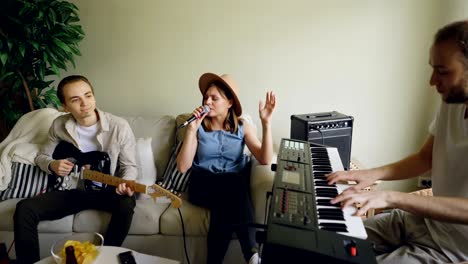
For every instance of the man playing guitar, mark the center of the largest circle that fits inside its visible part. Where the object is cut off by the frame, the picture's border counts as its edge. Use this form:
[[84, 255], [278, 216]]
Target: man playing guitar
[[88, 129]]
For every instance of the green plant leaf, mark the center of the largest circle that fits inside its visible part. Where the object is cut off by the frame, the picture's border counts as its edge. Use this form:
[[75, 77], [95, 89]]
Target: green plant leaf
[[5, 76], [49, 71], [22, 49], [52, 16], [55, 69], [41, 71], [41, 103], [48, 83], [4, 58], [73, 62], [35, 45], [73, 19], [75, 50], [78, 30], [62, 45]]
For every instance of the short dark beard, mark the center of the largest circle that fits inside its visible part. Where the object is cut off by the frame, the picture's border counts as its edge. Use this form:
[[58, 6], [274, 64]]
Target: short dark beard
[[458, 93]]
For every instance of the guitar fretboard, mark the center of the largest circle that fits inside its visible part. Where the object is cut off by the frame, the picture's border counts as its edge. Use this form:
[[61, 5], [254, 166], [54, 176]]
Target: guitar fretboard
[[113, 180]]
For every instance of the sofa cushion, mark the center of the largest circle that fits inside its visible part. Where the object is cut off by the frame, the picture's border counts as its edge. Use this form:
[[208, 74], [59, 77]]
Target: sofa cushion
[[145, 219], [196, 220], [26, 181], [161, 130], [180, 119], [7, 210]]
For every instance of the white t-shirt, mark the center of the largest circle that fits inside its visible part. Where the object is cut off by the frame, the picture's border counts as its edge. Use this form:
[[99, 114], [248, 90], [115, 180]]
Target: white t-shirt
[[87, 137], [450, 175]]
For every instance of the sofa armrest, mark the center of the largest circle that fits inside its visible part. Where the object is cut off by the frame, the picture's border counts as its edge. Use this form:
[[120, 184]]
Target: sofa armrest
[[261, 182]]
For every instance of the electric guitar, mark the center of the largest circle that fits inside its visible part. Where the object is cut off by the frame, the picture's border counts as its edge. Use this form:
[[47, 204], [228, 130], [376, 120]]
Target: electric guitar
[[99, 167]]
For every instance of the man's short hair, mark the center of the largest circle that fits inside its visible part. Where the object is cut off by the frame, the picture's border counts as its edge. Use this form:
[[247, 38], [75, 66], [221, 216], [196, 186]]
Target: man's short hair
[[458, 32], [70, 79]]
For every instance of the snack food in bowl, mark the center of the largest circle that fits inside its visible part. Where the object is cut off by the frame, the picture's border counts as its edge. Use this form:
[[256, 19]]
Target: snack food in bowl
[[86, 247]]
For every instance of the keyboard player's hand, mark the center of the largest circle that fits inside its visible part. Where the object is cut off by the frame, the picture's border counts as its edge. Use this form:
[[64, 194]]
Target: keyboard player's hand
[[363, 178], [367, 200]]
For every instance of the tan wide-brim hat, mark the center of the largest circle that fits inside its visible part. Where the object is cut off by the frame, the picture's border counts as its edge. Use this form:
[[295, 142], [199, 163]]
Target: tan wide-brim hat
[[207, 79]]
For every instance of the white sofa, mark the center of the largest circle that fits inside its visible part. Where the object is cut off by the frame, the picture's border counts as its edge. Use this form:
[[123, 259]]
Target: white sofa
[[156, 228]]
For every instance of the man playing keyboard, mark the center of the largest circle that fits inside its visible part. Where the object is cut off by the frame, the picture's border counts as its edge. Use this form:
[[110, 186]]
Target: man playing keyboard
[[425, 229]]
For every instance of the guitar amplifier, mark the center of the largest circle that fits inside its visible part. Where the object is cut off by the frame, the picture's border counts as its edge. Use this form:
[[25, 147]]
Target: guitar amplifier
[[332, 129]]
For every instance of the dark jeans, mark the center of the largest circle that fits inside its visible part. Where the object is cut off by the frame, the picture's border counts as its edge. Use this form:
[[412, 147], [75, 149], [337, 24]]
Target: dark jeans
[[58, 204], [227, 196]]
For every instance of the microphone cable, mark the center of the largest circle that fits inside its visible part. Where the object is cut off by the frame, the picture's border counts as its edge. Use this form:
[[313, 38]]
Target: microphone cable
[[170, 184], [183, 235], [262, 239], [174, 147]]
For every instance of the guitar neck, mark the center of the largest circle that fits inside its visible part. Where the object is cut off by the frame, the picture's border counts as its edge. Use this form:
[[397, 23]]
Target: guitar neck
[[112, 180], [153, 190]]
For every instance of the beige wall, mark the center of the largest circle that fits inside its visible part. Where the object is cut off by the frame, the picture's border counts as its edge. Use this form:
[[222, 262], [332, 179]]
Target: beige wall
[[364, 58]]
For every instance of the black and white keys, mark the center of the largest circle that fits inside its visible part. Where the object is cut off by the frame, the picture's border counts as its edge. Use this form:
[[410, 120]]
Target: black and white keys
[[332, 217]]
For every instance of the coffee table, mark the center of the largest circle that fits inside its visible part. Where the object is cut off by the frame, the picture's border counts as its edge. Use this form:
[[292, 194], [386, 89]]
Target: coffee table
[[109, 254]]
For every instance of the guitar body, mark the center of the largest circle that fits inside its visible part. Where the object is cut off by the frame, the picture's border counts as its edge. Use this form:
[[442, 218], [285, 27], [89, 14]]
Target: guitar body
[[97, 160]]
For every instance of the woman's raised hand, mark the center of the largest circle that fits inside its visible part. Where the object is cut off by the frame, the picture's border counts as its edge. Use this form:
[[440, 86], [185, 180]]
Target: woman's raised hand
[[266, 110]]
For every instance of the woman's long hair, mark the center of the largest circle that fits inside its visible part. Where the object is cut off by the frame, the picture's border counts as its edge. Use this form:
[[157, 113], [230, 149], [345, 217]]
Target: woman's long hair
[[232, 121]]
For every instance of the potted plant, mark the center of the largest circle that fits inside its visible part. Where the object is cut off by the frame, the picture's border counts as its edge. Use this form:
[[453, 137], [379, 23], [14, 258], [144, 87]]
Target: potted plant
[[38, 38]]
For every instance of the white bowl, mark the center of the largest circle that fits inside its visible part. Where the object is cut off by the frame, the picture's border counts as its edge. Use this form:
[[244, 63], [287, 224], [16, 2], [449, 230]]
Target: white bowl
[[56, 249]]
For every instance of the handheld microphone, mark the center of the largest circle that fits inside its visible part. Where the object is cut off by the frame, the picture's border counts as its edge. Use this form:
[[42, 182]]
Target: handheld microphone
[[192, 118]]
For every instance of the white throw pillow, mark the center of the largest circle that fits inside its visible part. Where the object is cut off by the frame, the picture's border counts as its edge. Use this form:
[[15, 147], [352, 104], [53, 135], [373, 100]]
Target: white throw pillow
[[145, 161]]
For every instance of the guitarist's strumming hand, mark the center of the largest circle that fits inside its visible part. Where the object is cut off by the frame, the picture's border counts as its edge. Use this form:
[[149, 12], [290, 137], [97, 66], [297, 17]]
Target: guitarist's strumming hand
[[123, 189], [61, 167]]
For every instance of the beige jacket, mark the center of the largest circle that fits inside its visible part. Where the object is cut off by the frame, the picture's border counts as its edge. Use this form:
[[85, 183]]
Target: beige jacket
[[115, 138]]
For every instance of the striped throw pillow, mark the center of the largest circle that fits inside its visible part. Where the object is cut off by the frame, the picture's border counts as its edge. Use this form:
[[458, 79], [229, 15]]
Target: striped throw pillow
[[173, 179], [26, 181]]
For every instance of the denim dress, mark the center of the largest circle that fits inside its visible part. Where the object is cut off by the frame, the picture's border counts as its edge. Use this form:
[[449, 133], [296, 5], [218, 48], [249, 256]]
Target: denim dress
[[220, 151]]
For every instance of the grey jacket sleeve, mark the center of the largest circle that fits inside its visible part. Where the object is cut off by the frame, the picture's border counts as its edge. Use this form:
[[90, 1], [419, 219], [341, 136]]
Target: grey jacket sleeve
[[44, 156]]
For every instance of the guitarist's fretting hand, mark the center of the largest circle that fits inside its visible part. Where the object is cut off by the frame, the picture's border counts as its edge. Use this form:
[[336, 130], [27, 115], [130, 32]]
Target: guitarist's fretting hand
[[123, 189], [61, 167]]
